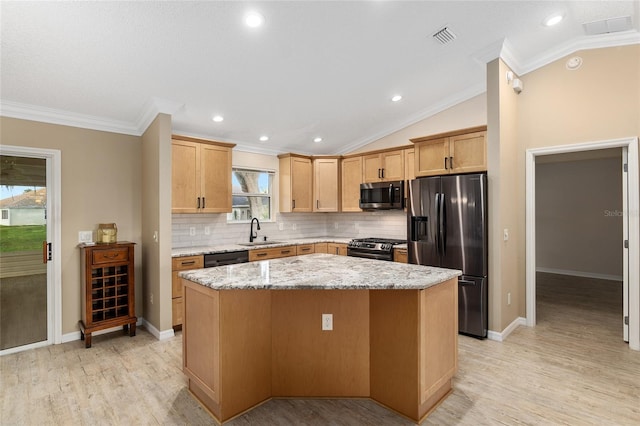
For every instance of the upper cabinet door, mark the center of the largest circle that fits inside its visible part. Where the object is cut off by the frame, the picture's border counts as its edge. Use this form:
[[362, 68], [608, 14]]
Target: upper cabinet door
[[185, 176], [468, 153], [215, 178], [392, 165], [371, 168], [351, 180], [432, 157], [325, 184], [301, 184], [296, 183]]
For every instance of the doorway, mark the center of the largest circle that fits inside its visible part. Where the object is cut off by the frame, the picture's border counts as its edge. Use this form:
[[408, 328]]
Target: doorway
[[30, 313], [579, 255], [631, 268]]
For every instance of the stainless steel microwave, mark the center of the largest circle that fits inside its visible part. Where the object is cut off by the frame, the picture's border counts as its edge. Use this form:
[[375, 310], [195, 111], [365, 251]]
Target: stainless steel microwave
[[382, 195]]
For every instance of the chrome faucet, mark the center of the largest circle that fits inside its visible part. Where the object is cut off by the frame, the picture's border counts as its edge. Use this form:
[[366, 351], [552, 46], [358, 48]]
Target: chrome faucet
[[251, 234]]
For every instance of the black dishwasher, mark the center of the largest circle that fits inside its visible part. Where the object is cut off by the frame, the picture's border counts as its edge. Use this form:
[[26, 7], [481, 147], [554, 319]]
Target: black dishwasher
[[226, 258]]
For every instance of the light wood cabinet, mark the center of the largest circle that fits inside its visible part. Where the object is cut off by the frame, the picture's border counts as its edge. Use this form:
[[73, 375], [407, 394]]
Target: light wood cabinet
[[383, 167], [326, 188], [400, 255], [108, 289], [181, 264], [351, 179], [296, 183], [409, 172], [337, 248], [305, 249], [272, 253], [462, 151], [200, 176], [320, 248]]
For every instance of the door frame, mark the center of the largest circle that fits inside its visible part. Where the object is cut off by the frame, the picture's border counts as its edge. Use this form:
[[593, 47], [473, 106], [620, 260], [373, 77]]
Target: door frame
[[633, 206], [53, 159]]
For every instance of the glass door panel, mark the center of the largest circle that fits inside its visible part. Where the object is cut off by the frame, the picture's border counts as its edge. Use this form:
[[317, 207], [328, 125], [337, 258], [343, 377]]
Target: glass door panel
[[23, 271]]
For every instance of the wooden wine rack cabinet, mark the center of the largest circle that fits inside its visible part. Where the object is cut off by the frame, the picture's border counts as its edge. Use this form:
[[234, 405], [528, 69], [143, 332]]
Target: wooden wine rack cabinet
[[108, 289]]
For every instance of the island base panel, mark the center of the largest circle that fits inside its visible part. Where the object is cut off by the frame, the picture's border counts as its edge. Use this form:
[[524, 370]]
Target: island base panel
[[311, 362]]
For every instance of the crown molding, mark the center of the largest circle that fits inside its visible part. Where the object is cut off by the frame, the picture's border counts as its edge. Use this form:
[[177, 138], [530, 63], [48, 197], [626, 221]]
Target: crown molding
[[582, 43], [65, 118], [444, 104], [152, 108]]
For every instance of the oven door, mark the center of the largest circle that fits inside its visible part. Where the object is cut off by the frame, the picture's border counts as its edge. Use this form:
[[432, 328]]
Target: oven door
[[378, 255]]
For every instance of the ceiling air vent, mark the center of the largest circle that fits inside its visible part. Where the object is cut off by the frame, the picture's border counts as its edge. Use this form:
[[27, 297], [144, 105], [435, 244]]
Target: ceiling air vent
[[444, 36], [605, 26]]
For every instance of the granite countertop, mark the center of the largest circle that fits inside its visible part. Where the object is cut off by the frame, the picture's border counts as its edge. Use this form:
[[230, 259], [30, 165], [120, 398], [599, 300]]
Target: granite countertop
[[223, 248], [320, 271]]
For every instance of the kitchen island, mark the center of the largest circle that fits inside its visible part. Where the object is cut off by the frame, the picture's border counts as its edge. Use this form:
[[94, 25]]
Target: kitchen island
[[254, 331]]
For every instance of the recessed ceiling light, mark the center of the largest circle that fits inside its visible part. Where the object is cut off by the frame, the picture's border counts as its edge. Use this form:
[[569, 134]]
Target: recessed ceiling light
[[553, 19], [396, 98], [316, 140], [218, 118], [264, 138], [254, 20]]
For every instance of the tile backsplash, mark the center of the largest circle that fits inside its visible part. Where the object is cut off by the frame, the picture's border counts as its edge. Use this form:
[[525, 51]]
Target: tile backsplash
[[192, 230]]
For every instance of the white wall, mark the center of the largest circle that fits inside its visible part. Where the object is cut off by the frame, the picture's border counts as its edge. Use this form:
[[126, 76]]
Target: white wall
[[579, 217]]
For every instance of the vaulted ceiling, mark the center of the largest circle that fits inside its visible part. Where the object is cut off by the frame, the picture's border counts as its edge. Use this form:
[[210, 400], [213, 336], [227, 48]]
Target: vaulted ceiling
[[312, 70]]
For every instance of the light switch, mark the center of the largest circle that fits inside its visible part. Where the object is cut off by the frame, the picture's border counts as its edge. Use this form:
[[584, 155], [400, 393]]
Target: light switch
[[505, 234]]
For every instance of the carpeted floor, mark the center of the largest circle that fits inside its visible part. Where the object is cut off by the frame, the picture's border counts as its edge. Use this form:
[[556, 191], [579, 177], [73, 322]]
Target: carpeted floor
[[23, 310]]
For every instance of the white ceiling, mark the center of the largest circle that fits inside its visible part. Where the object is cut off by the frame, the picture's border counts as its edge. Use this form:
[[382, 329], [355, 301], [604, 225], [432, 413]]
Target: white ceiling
[[323, 69]]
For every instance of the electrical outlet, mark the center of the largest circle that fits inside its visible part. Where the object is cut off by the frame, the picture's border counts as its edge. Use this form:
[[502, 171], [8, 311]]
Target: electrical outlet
[[280, 226], [509, 298], [151, 298], [85, 236], [207, 230], [327, 322], [335, 225], [155, 236], [294, 226], [192, 231]]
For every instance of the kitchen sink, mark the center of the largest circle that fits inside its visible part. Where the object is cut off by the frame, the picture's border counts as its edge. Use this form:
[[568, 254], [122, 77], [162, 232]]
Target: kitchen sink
[[259, 243]]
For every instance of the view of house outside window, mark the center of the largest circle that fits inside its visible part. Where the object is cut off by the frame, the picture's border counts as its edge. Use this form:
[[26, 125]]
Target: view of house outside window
[[252, 192]]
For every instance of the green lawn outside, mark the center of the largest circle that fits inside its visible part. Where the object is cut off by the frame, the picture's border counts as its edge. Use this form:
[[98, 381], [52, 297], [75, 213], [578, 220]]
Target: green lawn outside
[[22, 238]]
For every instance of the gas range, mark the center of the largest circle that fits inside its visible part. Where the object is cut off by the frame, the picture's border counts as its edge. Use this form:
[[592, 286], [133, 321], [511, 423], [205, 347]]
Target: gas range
[[373, 248]]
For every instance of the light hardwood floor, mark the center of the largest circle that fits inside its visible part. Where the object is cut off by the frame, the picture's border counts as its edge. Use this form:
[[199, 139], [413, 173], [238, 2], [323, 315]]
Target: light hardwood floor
[[573, 368]]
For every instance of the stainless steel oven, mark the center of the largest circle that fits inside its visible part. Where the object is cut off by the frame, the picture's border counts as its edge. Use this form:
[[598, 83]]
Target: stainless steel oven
[[373, 248]]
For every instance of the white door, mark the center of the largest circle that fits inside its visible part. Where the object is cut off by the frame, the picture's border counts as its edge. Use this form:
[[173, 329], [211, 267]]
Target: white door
[[29, 279], [625, 246]]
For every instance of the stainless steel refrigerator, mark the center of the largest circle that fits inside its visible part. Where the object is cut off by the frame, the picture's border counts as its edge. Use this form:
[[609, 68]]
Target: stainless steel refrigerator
[[447, 227]]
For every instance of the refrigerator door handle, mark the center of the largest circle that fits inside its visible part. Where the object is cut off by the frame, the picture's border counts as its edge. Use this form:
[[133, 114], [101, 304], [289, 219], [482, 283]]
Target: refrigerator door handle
[[438, 224], [466, 282], [441, 227]]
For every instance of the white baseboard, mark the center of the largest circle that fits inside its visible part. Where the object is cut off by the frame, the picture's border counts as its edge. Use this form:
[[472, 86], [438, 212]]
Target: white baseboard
[[75, 335], [500, 336], [580, 274], [160, 335]]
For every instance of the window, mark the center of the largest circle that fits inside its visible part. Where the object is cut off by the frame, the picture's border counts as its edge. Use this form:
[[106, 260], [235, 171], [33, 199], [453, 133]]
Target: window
[[252, 192], [5, 214]]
